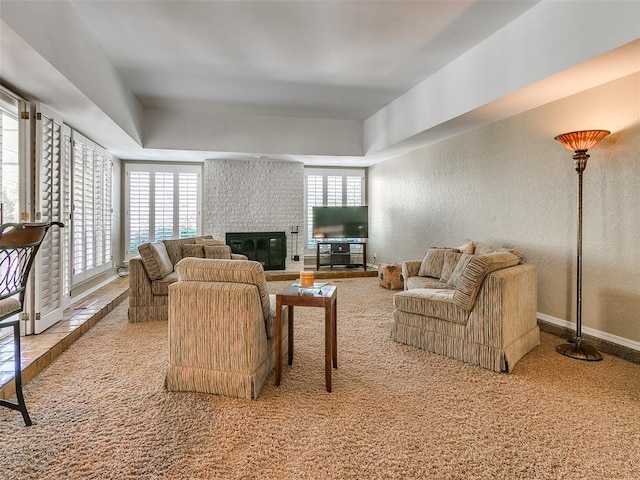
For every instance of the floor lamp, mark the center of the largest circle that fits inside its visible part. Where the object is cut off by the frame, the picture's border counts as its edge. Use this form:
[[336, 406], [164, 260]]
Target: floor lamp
[[579, 143]]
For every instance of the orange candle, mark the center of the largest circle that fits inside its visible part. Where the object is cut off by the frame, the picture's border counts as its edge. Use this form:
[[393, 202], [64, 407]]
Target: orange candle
[[306, 279]]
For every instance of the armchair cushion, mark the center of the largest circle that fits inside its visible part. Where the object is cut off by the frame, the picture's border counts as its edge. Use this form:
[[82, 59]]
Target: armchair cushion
[[9, 305]]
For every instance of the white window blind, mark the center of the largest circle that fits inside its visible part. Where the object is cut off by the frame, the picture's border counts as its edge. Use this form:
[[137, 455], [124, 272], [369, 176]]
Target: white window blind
[[50, 299], [331, 187], [9, 185], [161, 202], [91, 220], [188, 183], [139, 201], [315, 198]]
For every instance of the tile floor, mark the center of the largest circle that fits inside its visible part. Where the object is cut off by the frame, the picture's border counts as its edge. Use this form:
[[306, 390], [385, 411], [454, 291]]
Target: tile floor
[[38, 351]]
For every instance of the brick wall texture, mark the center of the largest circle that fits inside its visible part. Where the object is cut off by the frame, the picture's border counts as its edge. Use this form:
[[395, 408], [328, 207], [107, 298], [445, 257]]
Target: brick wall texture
[[254, 195]]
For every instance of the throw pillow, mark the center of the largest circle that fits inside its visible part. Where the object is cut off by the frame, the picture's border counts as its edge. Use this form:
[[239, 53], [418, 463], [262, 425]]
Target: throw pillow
[[464, 260], [478, 267], [163, 258], [502, 259], [467, 247], [451, 259], [217, 251], [483, 248], [193, 250], [155, 260], [208, 241], [432, 262]]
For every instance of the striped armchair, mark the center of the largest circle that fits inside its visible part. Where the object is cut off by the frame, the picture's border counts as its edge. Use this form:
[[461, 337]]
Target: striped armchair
[[221, 328]]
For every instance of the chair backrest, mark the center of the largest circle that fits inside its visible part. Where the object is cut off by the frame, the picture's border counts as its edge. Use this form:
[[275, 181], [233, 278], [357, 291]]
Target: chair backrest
[[19, 244], [233, 271]]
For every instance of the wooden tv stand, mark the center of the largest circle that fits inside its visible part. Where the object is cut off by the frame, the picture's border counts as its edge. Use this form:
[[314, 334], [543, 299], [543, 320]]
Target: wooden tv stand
[[340, 253]]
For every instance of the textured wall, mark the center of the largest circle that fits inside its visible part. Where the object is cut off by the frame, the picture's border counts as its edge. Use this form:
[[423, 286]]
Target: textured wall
[[254, 196], [511, 184]]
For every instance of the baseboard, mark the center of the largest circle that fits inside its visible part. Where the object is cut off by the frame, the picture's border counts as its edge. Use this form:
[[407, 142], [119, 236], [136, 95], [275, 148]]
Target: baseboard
[[603, 341]]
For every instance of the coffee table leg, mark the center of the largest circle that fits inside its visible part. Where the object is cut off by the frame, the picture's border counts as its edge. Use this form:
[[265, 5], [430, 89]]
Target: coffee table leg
[[328, 345], [278, 360], [290, 334], [334, 312]]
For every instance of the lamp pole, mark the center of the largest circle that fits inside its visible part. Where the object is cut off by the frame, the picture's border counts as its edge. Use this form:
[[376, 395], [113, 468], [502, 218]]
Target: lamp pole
[[580, 142]]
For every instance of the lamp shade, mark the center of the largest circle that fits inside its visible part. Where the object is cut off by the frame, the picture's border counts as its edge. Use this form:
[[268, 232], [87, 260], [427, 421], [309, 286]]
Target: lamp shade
[[583, 140]]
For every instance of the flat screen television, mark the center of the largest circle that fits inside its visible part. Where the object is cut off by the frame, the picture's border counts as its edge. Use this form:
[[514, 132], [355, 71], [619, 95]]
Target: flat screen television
[[340, 222]]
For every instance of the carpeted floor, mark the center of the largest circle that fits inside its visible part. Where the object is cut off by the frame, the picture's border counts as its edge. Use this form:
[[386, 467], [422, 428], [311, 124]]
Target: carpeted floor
[[100, 411]]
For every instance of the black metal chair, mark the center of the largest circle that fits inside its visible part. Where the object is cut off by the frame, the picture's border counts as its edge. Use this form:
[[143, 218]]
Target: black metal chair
[[19, 244]]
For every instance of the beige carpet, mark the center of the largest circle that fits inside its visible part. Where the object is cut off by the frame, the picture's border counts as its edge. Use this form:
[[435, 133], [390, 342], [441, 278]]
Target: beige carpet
[[100, 411]]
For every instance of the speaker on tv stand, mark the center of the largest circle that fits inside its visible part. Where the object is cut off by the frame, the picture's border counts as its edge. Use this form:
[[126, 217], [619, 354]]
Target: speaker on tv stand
[[340, 254]]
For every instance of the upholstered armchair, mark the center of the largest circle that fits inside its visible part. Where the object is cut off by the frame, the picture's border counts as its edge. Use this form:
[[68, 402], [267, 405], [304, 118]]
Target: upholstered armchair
[[221, 328]]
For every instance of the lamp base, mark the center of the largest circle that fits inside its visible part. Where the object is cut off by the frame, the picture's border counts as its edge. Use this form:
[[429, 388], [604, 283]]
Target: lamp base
[[578, 350]]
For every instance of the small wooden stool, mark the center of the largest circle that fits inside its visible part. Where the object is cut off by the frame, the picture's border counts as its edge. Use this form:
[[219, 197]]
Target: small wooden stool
[[390, 276]]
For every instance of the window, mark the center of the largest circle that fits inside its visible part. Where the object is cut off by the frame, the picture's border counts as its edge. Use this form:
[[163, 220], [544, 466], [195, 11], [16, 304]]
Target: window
[[331, 187], [162, 201], [92, 212], [9, 168]]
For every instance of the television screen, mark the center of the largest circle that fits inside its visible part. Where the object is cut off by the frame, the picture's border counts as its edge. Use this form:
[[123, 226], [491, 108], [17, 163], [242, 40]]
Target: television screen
[[340, 222]]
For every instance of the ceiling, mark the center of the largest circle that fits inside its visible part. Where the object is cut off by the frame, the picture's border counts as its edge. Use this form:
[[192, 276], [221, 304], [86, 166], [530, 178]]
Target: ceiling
[[321, 59], [237, 66]]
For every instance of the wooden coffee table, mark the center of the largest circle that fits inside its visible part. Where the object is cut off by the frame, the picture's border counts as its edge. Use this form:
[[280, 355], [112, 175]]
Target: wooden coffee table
[[295, 296]]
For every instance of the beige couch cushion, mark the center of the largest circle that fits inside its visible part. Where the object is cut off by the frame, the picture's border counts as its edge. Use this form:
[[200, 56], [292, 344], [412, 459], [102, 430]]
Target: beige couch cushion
[[233, 271], [193, 250], [475, 270], [208, 241], [431, 302], [463, 261], [425, 282], [433, 261], [467, 247], [222, 252], [161, 287], [451, 259], [155, 259]]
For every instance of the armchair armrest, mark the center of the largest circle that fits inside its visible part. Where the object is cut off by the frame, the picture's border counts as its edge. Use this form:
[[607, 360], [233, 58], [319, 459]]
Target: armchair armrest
[[139, 284], [410, 269]]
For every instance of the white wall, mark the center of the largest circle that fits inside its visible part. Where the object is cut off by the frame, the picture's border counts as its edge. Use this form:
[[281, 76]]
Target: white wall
[[510, 183], [256, 195]]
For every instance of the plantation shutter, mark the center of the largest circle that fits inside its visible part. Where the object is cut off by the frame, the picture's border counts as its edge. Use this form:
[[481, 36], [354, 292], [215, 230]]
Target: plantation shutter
[[161, 202], [78, 265], [49, 283], [91, 219], [331, 187], [139, 216], [315, 198], [188, 204], [354, 187], [334, 191]]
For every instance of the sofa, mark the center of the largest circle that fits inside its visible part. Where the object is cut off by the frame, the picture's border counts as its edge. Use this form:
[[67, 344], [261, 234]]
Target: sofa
[[221, 328], [476, 303], [151, 273]]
